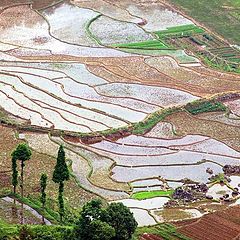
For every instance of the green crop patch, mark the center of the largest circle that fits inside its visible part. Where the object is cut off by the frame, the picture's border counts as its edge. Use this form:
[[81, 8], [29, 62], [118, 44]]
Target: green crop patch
[[150, 45], [180, 31], [151, 194], [205, 106]]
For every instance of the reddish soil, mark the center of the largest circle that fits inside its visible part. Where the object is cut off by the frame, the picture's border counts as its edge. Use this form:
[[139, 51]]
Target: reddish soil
[[43, 3], [150, 237], [185, 222], [224, 225], [19, 15], [98, 138], [36, 4], [5, 179], [9, 3]]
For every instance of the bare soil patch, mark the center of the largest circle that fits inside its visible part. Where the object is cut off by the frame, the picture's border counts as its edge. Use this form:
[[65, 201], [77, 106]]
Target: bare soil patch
[[222, 225]]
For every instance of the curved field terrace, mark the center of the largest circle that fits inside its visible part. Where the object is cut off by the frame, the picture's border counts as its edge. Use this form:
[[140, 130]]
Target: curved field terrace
[[144, 119]]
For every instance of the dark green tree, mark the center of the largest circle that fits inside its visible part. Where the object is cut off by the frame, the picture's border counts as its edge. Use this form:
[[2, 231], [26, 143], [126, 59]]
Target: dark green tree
[[14, 174], [121, 219], [100, 230], [61, 174], [14, 183], [21, 153], [91, 211], [94, 221], [43, 185]]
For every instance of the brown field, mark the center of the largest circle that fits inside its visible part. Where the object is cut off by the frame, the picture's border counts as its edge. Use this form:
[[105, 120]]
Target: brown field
[[222, 225], [159, 72], [19, 13], [8, 3], [12, 214], [215, 73], [172, 214], [36, 4]]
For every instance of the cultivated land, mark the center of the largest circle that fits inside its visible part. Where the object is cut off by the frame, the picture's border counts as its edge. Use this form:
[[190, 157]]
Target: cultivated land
[[220, 16], [145, 101]]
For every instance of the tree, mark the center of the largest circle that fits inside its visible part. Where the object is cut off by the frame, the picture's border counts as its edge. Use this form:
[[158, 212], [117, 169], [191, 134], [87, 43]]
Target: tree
[[100, 231], [95, 222], [91, 211], [61, 174], [90, 225], [14, 183], [121, 219], [14, 174], [21, 153], [43, 185]]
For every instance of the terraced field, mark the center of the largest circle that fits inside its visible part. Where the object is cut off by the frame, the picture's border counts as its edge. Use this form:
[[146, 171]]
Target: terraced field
[[141, 118]]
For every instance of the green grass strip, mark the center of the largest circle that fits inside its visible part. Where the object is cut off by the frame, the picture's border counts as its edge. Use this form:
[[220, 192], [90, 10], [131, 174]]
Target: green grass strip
[[165, 230], [169, 232], [151, 44], [88, 31], [153, 119], [48, 213], [11, 231], [151, 194], [180, 31]]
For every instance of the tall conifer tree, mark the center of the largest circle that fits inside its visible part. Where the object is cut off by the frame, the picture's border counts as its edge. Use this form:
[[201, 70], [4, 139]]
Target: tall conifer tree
[[61, 174], [43, 185]]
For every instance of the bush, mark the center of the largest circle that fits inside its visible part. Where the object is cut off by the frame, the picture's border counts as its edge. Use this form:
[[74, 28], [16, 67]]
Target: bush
[[52, 233]]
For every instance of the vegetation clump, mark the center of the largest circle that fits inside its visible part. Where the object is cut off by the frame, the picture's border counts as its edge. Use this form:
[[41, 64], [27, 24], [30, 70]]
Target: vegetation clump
[[231, 169], [197, 107], [190, 192]]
